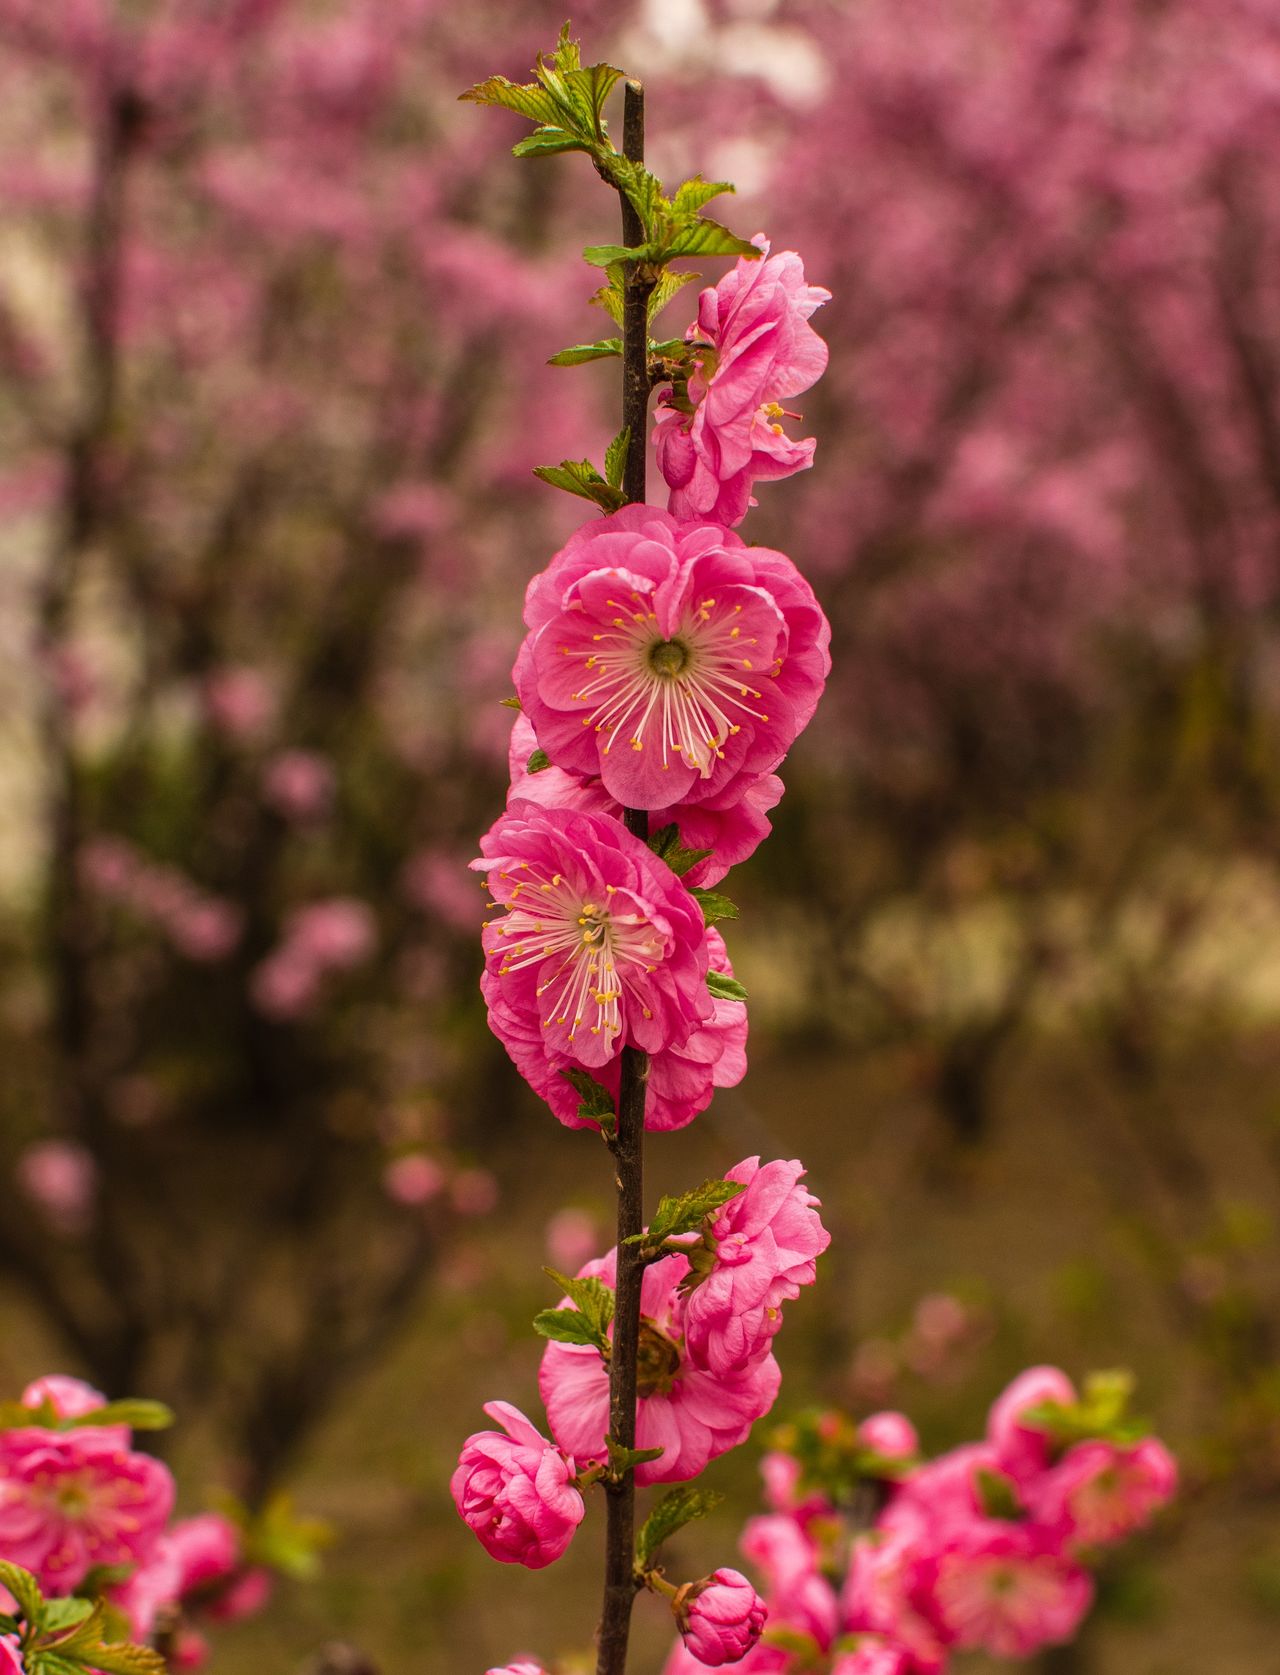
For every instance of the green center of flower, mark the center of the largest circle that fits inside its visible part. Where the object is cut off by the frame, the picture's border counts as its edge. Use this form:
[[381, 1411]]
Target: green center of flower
[[669, 658]]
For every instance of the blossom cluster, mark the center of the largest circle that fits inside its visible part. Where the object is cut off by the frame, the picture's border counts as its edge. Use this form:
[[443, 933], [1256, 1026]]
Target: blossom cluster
[[79, 1500], [987, 1547]]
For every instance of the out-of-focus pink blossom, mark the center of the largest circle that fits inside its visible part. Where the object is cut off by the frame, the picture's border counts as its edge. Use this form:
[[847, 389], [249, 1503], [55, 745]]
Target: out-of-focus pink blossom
[[206, 1549], [691, 1414], [440, 884], [285, 984], [299, 785], [413, 1179], [767, 1241], [61, 1177], [239, 702], [891, 1435], [205, 929], [153, 1588], [70, 1398], [572, 1235], [516, 1491], [721, 1618], [473, 1192], [71, 1500], [873, 1655], [1101, 1491], [336, 934], [1022, 1448], [1005, 1588], [763, 351], [669, 659], [520, 1666], [244, 1596]]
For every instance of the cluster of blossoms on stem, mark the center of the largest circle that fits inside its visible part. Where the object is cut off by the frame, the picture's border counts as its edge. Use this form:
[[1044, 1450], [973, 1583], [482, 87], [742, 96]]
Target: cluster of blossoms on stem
[[987, 1547], [79, 1501]]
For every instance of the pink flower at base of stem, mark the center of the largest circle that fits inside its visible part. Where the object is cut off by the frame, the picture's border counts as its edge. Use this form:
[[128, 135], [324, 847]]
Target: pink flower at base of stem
[[73, 1500], [721, 1618], [763, 352], [682, 1079], [689, 1413], [767, 1241], [1005, 1588], [516, 1492], [732, 832], [670, 660], [600, 946], [1023, 1450], [1101, 1491]]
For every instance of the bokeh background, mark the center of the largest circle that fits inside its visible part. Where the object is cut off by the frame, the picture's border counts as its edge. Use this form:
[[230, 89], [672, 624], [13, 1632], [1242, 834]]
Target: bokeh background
[[274, 313]]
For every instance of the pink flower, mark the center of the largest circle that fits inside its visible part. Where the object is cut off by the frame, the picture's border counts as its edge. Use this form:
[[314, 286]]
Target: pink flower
[[299, 785], [70, 1398], [10, 1656], [762, 1659], [943, 1494], [572, 1235], [61, 1177], [336, 934], [153, 1588], [879, 1596], [682, 1079], [71, 1500], [413, 1179], [521, 1666], [206, 1549], [873, 1656], [721, 1618], [285, 985], [600, 947], [669, 659], [244, 1596], [763, 352], [692, 1415], [1023, 1449], [766, 1243], [891, 1435], [1100, 1491], [239, 702], [732, 828], [1006, 1588], [204, 929], [517, 1492], [799, 1596]]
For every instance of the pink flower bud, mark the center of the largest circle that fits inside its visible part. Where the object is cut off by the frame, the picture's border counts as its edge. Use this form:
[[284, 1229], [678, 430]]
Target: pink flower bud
[[721, 1618], [891, 1435], [244, 1597], [207, 1550], [70, 1398], [521, 1666], [517, 1492], [1023, 1449]]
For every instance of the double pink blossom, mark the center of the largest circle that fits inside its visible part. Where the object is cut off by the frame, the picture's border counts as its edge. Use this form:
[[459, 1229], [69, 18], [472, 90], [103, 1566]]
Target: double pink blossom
[[516, 1491], [670, 660], [721, 1618], [760, 351], [693, 1415], [1022, 1447], [599, 947], [73, 1500], [1101, 1491], [1005, 1587], [766, 1243]]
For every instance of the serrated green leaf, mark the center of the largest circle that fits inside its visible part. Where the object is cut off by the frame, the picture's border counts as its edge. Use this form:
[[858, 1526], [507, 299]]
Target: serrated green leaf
[[702, 237], [686, 1212], [677, 1508], [615, 459], [63, 1615], [580, 477], [567, 55], [25, 1590], [592, 1296], [666, 845], [580, 353], [669, 283], [714, 906], [610, 298], [545, 142], [123, 1658], [691, 196], [538, 762], [587, 1321], [598, 81], [566, 1326], [725, 988], [605, 255], [133, 1411], [643, 191], [526, 99], [596, 1102]]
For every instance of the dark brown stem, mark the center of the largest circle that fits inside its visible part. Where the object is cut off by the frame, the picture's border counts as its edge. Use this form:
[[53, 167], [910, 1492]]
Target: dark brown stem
[[620, 1583]]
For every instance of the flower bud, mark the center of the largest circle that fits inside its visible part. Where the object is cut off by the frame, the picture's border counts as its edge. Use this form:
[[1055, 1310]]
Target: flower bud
[[891, 1435], [517, 1491], [721, 1617]]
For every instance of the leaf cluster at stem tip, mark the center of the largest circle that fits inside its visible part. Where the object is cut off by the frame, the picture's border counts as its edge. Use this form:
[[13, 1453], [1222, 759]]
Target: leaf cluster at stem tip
[[68, 1636], [587, 1321]]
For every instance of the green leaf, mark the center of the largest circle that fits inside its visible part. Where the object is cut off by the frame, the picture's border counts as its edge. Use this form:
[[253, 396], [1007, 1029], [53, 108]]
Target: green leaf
[[615, 459], [596, 1102], [566, 1326], [14, 1415], [284, 1541], [25, 1590], [604, 255], [686, 1213], [62, 1615], [581, 353], [610, 297], [996, 1494], [666, 845], [122, 1658], [643, 191], [677, 1508], [625, 1459], [133, 1411], [538, 761], [545, 142], [587, 1321], [527, 100], [690, 197], [714, 907], [597, 82], [580, 477], [725, 988], [705, 237], [668, 285]]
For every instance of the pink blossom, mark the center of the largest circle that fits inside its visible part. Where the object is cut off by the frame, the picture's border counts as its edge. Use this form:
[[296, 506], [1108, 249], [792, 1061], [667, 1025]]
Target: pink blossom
[[239, 702], [700, 659], [762, 1659], [799, 1595], [519, 1666], [10, 1656], [891, 1435], [285, 984], [413, 1179], [206, 1549], [600, 946], [944, 1493], [721, 1618], [732, 827], [766, 1243], [755, 322], [1101, 1491], [71, 1500], [438, 883], [682, 1079], [61, 1177], [879, 1596], [337, 934], [517, 1492], [1023, 1449], [70, 1398], [244, 1596], [571, 1235], [873, 1656], [190, 1650], [205, 929], [692, 1415], [153, 1588], [299, 784], [1005, 1588]]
